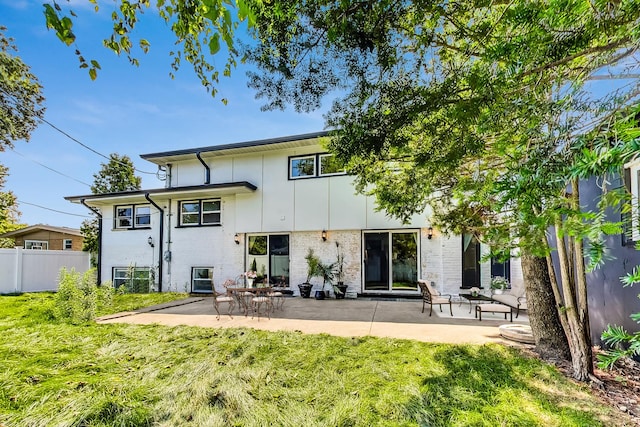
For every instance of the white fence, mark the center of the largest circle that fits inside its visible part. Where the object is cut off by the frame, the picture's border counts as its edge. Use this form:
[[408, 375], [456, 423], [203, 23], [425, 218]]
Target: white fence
[[24, 270]]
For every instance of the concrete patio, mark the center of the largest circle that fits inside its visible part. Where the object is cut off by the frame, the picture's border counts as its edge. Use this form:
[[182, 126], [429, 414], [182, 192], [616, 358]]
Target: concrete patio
[[395, 318]]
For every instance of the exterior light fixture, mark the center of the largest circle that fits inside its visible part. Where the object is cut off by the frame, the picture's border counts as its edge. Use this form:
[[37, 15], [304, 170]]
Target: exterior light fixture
[[236, 239], [150, 241], [429, 233], [324, 235]]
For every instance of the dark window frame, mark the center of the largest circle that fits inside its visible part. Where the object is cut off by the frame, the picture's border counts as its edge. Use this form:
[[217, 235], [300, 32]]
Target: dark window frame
[[317, 158], [201, 213], [194, 279], [133, 218], [132, 284]]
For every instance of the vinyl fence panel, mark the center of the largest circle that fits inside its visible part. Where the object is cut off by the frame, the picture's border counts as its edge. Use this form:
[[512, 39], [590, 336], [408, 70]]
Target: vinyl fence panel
[[33, 270]]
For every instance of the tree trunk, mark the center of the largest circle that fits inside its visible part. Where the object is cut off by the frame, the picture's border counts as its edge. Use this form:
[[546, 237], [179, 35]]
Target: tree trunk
[[551, 341]]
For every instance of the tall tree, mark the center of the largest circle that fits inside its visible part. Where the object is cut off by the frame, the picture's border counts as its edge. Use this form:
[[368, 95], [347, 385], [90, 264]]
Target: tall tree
[[9, 213], [21, 100], [21, 106], [474, 108], [116, 175]]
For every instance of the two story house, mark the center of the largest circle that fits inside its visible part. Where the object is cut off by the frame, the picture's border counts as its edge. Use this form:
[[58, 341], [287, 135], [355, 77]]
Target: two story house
[[260, 205]]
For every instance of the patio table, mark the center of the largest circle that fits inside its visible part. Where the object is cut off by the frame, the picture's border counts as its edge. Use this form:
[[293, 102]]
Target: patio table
[[475, 298], [245, 295]]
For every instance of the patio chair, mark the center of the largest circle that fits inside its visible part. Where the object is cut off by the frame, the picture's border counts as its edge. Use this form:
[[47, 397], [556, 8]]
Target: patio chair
[[431, 296], [222, 298]]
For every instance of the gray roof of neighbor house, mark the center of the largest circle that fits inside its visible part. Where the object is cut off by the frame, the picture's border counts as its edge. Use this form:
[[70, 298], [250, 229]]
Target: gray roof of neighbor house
[[36, 227], [279, 143]]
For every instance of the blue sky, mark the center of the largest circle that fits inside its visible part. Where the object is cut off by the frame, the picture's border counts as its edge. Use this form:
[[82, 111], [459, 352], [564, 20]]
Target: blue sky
[[128, 110]]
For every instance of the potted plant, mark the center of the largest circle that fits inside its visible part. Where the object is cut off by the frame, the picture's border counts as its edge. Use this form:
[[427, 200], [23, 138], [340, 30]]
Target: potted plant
[[326, 271], [340, 289], [312, 268], [499, 284]]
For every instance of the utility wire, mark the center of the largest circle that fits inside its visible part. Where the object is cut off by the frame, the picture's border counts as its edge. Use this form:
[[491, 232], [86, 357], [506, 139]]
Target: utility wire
[[52, 170], [89, 148], [52, 210]]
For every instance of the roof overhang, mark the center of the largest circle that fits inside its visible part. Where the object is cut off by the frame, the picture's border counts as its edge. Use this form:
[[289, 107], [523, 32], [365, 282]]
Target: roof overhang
[[138, 196], [286, 142]]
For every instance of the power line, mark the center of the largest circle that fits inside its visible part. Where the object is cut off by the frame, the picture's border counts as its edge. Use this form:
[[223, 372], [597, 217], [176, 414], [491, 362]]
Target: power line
[[89, 148], [52, 210], [52, 170]]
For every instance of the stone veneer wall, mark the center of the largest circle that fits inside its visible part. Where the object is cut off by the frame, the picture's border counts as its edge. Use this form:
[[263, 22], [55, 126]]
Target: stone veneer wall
[[350, 246]]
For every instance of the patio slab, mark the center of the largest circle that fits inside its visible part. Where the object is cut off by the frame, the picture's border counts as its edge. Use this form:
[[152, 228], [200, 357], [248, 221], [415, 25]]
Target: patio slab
[[347, 318]]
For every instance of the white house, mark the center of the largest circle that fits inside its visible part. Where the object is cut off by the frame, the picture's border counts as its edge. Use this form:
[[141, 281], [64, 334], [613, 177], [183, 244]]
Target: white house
[[229, 208]]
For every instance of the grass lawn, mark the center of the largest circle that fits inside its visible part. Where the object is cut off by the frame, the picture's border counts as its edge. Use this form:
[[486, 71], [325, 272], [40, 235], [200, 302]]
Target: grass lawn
[[57, 374]]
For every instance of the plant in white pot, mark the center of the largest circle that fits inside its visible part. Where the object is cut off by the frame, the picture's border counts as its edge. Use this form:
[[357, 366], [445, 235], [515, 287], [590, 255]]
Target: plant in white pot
[[499, 284]]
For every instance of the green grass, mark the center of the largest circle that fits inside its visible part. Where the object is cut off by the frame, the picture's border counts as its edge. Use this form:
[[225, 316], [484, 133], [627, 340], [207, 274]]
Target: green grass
[[56, 374]]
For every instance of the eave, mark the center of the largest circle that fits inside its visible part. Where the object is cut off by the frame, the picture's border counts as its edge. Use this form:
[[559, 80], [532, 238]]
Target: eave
[[138, 196], [286, 142]]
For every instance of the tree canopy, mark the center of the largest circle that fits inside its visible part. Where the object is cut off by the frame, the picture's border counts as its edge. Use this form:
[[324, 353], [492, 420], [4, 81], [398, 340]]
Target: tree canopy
[[21, 99], [486, 111], [202, 29]]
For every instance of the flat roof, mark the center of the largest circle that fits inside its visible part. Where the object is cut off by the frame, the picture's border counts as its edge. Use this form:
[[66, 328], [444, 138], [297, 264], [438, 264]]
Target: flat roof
[[234, 148]]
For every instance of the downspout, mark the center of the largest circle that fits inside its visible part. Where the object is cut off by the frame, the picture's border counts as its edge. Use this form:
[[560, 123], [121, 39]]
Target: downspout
[[207, 170], [99, 260], [160, 260]]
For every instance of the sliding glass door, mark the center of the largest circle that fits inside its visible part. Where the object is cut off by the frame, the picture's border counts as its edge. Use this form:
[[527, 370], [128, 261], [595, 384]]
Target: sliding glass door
[[390, 260]]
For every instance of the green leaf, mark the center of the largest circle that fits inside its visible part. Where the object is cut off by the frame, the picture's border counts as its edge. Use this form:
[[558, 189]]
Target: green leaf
[[214, 44]]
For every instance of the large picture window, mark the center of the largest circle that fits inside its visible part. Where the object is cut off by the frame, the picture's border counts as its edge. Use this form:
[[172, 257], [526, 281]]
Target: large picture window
[[136, 280], [202, 279], [132, 216], [314, 165], [200, 212]]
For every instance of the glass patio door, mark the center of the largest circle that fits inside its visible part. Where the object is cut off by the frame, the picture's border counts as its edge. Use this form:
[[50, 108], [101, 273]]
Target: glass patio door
[[268, 255], [390, 261]]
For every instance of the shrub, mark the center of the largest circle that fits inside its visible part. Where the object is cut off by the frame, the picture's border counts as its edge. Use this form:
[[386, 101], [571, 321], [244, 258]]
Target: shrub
[[78, 298]]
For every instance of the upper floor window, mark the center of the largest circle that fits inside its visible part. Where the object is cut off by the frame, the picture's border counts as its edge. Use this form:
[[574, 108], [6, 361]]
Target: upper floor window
[[314, 165], [200, 212], [133, 216], [36, 244], [67, 244]]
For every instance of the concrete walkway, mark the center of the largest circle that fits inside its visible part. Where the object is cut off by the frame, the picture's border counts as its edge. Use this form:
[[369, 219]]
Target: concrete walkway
[[349, 317]]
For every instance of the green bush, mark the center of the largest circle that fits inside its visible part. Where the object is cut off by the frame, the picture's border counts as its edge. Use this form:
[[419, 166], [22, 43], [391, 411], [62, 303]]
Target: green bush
[[78, 298]]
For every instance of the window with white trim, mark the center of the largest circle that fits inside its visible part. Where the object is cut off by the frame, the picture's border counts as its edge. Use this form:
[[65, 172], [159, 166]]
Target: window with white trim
[[67, 244], [314, 166], [200, 212], [136, 280], [202, 279], [132, 216], [36, 244]]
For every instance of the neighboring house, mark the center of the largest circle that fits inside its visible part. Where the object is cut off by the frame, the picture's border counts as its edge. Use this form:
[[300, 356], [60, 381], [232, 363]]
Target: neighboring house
[[46, 237], [226, 209]]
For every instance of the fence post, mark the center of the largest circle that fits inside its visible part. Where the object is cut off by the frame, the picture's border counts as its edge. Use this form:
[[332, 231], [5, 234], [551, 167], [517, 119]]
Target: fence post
[[17, 286]]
